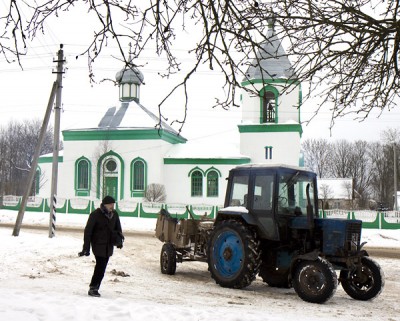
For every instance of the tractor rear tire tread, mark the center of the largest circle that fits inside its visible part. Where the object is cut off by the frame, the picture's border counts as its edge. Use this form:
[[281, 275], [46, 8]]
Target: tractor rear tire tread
[[250, 246]]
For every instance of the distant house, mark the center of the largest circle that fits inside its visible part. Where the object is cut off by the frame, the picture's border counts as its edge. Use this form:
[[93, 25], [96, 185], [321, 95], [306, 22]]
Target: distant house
[[335, 193]]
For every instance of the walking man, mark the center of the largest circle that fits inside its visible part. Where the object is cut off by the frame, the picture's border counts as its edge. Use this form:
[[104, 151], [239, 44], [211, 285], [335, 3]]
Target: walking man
[[102, 224]]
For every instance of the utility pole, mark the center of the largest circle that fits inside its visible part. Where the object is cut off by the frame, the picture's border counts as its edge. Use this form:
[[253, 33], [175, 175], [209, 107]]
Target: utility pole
[[56, 144], [55, 94], [395, 175], [32, 172]]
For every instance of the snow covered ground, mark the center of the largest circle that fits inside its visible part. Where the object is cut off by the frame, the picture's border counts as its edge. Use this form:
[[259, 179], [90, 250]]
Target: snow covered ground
[[42, 278]]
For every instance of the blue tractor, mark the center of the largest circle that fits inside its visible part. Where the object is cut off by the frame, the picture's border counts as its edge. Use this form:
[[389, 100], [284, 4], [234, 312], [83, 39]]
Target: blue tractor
[[269, 227]]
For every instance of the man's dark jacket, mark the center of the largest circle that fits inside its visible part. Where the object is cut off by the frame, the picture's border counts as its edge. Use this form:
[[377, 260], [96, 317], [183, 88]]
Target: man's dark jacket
[[98, 232]]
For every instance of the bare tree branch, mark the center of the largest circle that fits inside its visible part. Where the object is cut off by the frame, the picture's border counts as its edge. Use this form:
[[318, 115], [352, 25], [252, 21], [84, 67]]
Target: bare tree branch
[[346, 51]]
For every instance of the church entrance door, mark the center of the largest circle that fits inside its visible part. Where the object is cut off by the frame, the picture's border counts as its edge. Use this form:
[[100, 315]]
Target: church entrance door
[[111, 187]]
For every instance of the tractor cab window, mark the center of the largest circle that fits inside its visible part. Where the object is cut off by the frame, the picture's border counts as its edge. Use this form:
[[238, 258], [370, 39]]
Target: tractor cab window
[[263, 189], [239, 191], [292, 193]]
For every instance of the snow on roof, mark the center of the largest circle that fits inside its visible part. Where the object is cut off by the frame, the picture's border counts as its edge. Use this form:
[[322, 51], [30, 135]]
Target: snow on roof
[[60, 154], [132, 115], [335, 188], [129, 115], [271, 62]]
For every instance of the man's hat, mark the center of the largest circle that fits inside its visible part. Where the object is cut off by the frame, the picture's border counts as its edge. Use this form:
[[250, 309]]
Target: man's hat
[[108, 200]]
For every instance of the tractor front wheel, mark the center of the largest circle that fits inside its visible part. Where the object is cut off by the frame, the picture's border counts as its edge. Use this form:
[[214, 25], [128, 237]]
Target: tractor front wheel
[[168, 259], [365, 283], [315, 281], [233, 254]]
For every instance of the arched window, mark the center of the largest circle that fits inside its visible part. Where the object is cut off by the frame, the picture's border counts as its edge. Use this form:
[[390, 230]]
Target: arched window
[[82, 177], [212, 183], [83, 174], [197, 183], [138, 177], [269, 108]]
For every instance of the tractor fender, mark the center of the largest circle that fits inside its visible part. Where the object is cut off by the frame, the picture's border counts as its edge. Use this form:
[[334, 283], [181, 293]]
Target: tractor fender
[[361, 246], [310, 256], [237, 212], [363, 253]]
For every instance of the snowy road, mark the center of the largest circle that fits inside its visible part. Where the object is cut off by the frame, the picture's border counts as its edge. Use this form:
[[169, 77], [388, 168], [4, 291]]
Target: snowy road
[[45, 279], [377, 252]]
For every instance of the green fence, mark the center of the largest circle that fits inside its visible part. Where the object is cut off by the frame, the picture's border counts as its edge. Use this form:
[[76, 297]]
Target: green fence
[[370, 219], [130, 208]]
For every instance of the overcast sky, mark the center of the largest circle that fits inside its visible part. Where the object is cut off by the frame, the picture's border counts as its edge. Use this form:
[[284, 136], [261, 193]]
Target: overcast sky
[[25, 93]]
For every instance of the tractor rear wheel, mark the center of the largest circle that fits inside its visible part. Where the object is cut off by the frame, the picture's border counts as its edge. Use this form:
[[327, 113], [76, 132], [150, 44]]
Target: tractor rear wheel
[[233, 254], [315, 281], [168, 259], [365, 285]]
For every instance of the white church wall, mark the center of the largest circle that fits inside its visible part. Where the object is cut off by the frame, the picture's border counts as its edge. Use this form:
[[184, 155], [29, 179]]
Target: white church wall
[[288, 102], [73, 150], [178, 184], [285, 147], [151, 151], [251, 114], [45, 185]]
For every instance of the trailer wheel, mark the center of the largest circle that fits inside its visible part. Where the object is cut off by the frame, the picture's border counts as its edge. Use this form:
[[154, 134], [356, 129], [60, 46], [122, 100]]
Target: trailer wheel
[[233, 254], [168, 259], [315, 281], [366, 285]]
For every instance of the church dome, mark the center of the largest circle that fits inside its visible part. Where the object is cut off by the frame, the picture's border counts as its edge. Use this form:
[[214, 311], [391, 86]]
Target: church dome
[[129, 80], [130, 75]]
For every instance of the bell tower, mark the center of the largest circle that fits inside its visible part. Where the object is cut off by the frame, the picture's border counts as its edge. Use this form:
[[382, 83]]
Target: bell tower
[[270, 130]]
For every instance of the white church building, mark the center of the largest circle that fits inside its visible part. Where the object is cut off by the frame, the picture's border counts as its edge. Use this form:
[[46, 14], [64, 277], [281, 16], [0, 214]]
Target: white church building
[[131, 148]]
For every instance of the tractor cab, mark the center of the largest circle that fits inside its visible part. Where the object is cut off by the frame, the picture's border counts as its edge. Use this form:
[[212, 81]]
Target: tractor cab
[[273, 198]]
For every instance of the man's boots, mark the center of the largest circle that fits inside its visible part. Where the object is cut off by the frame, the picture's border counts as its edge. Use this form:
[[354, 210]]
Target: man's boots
[[94, 291]]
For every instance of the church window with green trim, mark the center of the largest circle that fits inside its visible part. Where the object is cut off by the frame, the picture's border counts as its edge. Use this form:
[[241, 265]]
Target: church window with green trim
[[138, 175], [212, 184], [138, 179], [82, 177], [268, 107], [197, 183]]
